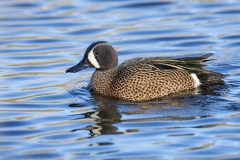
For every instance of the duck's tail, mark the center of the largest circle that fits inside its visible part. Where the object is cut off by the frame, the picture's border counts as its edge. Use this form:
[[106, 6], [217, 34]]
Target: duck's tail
[[206, 77]]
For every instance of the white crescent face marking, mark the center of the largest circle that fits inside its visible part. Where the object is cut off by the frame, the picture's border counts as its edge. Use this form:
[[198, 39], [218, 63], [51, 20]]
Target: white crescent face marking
[[195, 78], [91, 56], [92, 59]]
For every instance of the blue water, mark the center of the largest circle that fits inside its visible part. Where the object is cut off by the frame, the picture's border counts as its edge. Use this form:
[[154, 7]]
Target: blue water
[[47, 114]]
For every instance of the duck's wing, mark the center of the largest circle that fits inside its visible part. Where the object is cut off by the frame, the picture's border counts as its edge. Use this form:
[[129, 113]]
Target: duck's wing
[[191, 64]]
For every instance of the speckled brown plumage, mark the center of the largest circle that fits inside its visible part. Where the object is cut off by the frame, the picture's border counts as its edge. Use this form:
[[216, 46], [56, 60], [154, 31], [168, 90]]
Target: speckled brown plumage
[[142, 79], [139, 80]]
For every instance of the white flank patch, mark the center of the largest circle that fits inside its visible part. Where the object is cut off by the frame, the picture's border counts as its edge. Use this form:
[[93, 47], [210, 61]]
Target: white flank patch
[[92, 59], [197, 81]]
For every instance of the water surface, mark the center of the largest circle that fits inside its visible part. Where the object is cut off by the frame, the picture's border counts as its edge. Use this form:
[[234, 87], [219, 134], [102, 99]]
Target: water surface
[[47, 114]]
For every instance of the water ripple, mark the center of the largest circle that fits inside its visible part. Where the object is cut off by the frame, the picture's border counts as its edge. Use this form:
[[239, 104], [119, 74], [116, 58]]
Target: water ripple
[[48, 114]]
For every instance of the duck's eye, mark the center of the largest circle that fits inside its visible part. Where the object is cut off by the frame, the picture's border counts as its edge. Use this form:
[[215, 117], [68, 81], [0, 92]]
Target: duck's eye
[[96, 53]]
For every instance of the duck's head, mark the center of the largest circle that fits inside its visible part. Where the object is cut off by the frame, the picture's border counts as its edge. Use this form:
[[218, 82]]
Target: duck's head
[[100, 55]]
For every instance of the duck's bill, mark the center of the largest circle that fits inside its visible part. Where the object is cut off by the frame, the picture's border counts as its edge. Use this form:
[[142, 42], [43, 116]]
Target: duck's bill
[[78, 67]]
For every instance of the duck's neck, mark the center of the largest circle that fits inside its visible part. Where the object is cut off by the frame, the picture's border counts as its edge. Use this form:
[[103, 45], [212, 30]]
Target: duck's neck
[[102, 80]]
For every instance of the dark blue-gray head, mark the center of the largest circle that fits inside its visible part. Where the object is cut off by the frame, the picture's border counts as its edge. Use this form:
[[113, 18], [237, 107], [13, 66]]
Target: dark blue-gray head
[[100, 55]]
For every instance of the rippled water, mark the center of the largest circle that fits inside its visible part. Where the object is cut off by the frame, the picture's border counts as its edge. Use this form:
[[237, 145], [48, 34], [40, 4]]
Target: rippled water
[[47, 114]]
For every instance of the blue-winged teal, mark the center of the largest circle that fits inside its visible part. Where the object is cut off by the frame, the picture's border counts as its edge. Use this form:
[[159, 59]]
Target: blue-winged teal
[[141, 79]]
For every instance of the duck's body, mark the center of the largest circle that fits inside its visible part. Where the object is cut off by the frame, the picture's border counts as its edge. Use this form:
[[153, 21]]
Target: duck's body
[[142, 79], [138, 80]]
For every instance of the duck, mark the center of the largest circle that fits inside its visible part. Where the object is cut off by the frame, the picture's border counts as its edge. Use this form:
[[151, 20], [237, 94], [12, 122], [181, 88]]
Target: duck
[[142, 79]]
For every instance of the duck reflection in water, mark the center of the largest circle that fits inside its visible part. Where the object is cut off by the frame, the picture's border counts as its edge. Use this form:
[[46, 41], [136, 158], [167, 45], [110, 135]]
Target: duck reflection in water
[[104, 118]]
